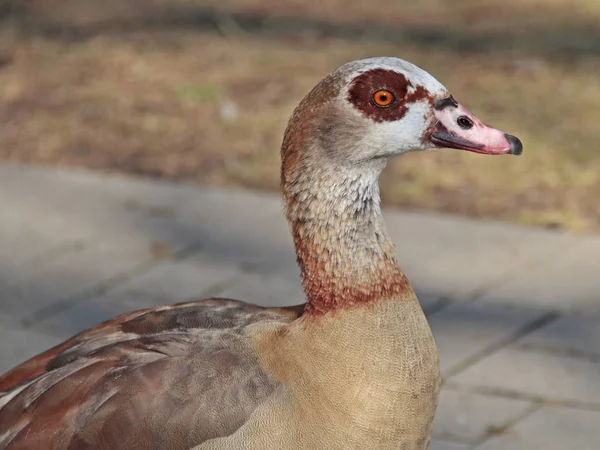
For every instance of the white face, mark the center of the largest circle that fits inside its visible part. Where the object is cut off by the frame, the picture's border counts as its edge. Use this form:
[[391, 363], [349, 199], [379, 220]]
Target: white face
[[403, 108], [402, 126]]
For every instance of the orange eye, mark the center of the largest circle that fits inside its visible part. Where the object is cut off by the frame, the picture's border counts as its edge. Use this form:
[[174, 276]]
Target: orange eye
[[383, 98]]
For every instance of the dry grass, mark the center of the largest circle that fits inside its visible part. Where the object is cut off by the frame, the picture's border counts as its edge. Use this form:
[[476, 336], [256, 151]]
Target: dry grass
[[177, 99]]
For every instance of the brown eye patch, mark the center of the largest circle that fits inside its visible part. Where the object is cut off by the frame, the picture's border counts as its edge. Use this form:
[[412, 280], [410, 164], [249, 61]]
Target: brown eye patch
[[382, 95]]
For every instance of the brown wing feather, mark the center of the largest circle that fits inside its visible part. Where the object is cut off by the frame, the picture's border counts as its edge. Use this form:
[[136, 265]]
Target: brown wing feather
[[169, 377], [38, 365]]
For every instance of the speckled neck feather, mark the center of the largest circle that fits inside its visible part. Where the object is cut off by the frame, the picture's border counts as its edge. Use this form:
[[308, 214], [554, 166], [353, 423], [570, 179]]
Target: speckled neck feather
[[345, 255], [343, 249]]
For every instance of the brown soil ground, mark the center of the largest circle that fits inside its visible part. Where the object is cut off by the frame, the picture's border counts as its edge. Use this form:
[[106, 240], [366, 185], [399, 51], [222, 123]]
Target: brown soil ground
[[202, 91]]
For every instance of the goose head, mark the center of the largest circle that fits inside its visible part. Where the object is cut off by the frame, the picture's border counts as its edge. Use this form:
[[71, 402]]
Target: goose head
[[374, 109], [337, 142]]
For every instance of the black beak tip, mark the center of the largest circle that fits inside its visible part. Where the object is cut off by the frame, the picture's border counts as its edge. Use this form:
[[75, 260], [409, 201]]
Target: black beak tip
[[516, 147]]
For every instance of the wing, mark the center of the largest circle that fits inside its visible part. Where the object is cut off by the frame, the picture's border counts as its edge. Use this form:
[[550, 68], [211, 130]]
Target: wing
[[169, 377]]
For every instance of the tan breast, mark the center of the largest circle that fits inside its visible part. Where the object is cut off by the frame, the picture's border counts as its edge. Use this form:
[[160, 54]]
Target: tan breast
[[363, 378]]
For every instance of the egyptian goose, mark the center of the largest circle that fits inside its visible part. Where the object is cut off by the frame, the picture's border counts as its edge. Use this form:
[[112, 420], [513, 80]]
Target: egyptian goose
[[354, 368]]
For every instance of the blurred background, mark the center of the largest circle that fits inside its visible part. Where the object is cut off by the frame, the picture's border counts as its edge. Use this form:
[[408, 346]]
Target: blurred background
[[201, 90]]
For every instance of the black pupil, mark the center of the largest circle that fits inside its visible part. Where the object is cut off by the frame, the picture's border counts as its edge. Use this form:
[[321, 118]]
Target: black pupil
[[383, 98], [465, 122]]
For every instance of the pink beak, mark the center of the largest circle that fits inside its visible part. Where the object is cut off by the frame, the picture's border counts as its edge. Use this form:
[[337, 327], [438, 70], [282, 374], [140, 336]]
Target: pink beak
[[457, 128]]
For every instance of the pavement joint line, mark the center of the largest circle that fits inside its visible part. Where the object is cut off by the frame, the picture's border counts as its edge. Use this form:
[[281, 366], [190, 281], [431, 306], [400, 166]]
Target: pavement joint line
[[494, 282], [497, 280], [529, 327], [569, 353], [439, 305], [213, 291], [53, 253], [104, 286], [261, 268], [450, 440], [86, 294], [494, 431], [450, 299], [518, 395], [187, 251]]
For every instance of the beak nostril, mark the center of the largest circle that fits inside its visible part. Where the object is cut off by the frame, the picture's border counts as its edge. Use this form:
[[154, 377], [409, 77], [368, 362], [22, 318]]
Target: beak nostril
[[464, 122]]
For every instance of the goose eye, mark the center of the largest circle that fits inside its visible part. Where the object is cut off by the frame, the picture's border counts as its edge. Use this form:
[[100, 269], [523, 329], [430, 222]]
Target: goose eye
[[383, 98]]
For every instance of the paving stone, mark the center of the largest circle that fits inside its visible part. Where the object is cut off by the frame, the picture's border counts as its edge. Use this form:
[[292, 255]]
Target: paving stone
[[216, 205], [265, 246], [417, 236], [568, 281], [177, 281], [550, 428], [126, 210], [541, 374], [468, 418], [428, 302], [69, 274], [445, 445], [457, 258], [265, 289], [48, 204], [79, 190], [462, 331], [22, 247], [18, 345], [568, 334], [27, 235]]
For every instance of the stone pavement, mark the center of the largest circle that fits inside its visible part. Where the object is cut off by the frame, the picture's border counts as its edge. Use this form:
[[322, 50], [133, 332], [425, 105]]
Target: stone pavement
[[515, 311]]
